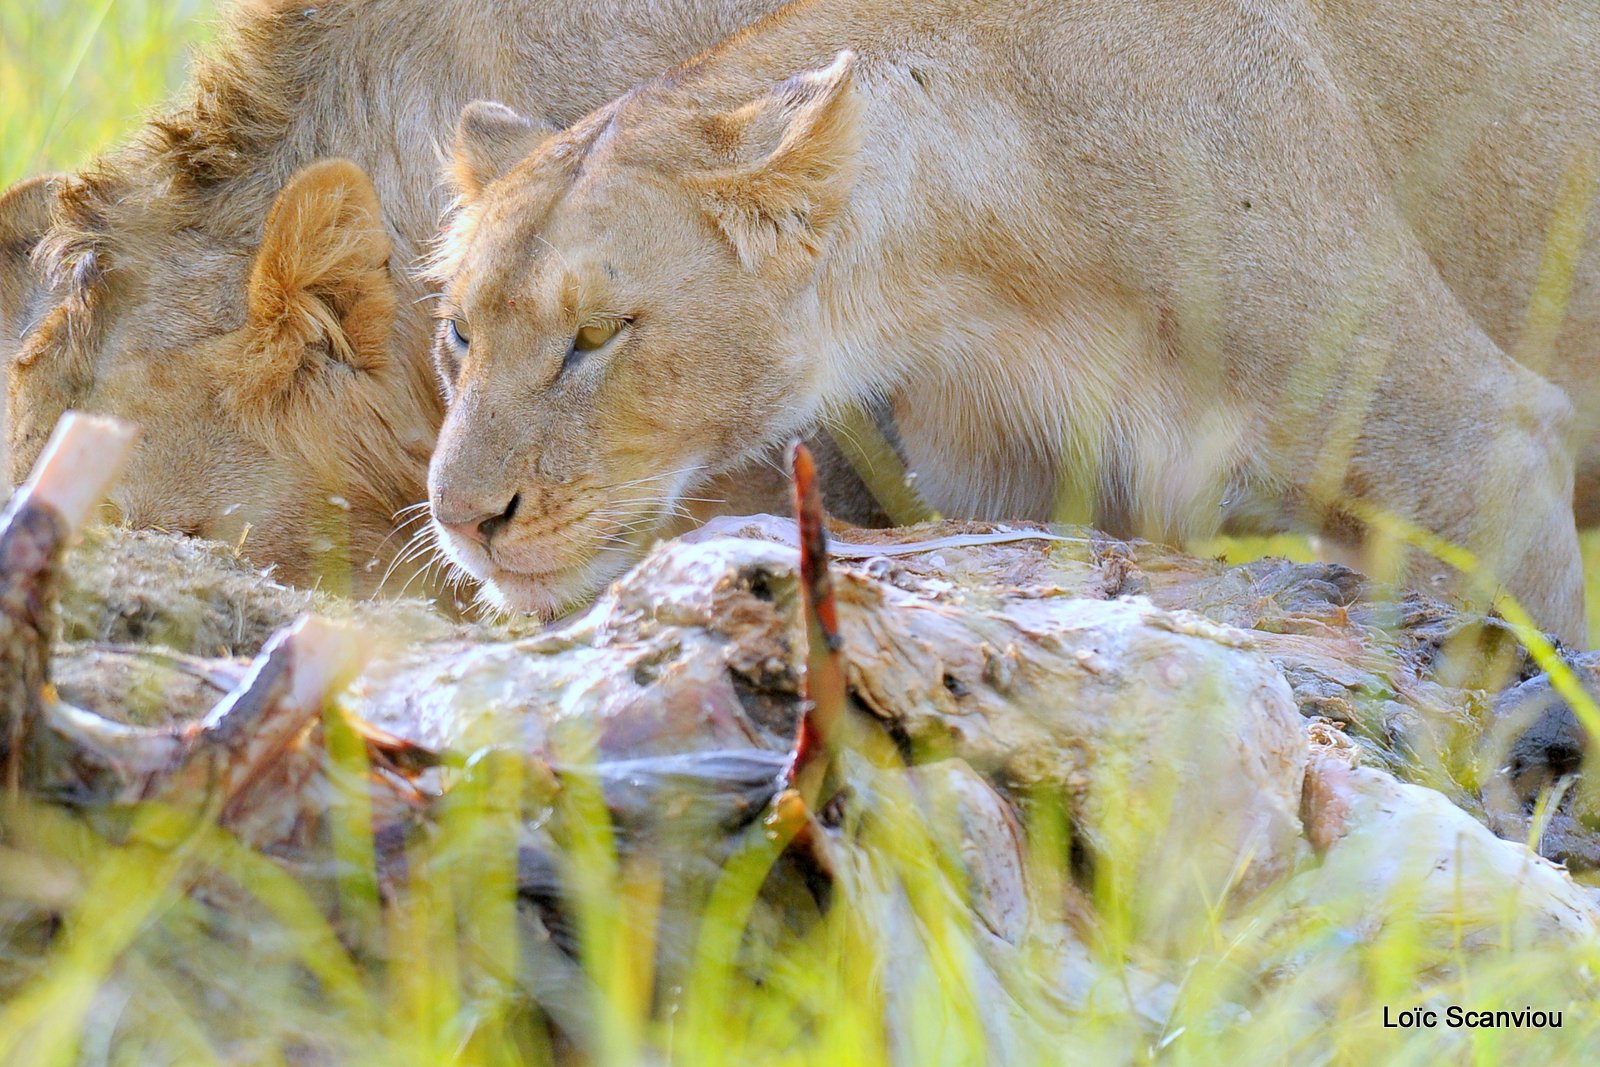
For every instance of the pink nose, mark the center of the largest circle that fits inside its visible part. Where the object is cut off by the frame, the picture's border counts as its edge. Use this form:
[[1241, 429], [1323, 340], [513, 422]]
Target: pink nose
[[471, 520]]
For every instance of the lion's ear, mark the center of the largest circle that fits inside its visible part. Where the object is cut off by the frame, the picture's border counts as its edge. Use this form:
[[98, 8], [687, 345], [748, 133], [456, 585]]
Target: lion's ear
[[490, 140], [320, 287], [24, 217], [795, 150]]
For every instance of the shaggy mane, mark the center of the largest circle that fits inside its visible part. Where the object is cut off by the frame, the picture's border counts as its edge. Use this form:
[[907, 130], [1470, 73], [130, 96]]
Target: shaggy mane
[[245, 89], [238, 108]]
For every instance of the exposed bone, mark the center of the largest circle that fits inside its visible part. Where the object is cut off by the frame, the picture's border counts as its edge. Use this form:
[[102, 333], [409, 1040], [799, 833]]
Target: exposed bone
[[53, 746], [38, 741], [79, 464], [276, 703]]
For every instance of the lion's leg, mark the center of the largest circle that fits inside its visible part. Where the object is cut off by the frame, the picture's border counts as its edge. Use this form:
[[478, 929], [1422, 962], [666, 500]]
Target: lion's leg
[[1414, 412], [1465, 443], [1378, 388], [1487, 466]]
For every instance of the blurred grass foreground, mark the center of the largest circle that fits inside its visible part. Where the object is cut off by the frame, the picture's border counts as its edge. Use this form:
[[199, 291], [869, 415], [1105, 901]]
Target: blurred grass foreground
[[130, 965]]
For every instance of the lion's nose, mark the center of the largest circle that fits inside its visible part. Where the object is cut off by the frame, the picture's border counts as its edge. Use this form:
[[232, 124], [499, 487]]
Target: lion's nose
[[472, 520]]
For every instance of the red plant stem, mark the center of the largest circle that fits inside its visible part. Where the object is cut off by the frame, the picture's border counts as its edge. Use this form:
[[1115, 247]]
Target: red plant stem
[[825, 686]]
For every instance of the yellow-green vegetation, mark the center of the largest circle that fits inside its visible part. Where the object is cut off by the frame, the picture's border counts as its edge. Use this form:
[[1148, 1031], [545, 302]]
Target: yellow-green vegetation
[[130, 967], [76, 74], [140, 968]]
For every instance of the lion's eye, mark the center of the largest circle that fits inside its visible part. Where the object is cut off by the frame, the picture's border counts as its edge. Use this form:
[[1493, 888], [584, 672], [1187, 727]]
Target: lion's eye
[[595, 337], [460, 336]]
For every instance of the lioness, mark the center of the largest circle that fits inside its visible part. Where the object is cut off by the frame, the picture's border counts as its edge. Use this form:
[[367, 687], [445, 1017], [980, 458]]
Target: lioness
[[250, 303], [1203, 263]]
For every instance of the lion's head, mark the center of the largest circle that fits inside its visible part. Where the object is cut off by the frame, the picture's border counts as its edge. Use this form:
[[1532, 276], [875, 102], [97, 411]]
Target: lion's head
[[273, 410], [626, 315]]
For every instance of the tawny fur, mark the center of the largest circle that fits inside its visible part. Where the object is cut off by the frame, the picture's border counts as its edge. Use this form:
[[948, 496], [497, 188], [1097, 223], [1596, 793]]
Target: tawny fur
[[134, 281], [1198, 264]]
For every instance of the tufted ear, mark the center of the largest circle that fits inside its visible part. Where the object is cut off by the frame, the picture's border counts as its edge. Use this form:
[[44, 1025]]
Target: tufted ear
[[490, 140], [320, 289], [24, 217], [794, 151]]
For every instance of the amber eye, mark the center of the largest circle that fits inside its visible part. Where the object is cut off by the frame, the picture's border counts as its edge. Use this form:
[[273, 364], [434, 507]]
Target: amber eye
[[590, 338], [460, 336]]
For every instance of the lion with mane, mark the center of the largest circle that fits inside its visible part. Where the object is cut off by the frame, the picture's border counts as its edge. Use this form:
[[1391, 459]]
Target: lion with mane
[[238, 279]]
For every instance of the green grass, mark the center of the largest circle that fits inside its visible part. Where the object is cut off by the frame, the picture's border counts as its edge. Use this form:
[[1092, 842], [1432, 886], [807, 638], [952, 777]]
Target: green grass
[[112, 959], [76, 74], [135, 968]]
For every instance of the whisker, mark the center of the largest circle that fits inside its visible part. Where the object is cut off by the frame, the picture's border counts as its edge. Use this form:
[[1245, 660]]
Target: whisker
[[659, 477], [419, 542], [436, 559], [399, 529]]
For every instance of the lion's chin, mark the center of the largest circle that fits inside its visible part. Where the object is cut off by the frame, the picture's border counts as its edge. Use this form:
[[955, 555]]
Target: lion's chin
[[547, 594]]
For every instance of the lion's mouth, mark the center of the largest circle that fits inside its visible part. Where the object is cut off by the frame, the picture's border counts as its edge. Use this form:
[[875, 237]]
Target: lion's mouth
[[550, 564]]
